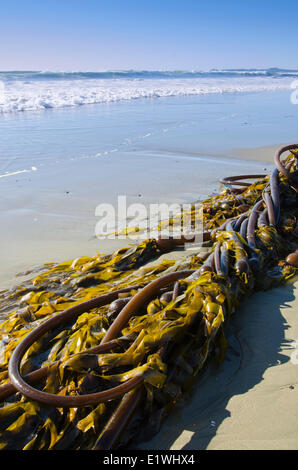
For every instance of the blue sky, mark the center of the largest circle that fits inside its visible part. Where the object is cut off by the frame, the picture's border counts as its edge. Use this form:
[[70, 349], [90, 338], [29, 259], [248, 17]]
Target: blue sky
[[96, 35]]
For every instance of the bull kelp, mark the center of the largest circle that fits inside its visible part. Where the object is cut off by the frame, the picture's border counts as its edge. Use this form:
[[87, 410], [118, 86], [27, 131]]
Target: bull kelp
[[95, 352]]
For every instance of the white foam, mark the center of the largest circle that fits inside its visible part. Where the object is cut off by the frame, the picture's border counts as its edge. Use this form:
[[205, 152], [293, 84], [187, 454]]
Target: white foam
[[34, 95], [13, 173]]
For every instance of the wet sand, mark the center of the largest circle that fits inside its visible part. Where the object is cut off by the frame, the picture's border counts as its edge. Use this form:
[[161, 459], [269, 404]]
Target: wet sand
[[264, 154], [49, 214]]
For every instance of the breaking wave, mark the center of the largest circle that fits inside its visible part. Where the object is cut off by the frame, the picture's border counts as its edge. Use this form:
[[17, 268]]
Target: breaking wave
[[33, 91]]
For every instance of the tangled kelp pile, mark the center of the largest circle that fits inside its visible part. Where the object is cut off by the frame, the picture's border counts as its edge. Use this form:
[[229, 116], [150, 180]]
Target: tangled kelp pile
[[95, 352]]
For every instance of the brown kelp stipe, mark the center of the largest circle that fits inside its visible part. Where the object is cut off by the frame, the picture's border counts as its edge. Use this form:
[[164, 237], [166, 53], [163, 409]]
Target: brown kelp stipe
[[96, 351], [94, 398]]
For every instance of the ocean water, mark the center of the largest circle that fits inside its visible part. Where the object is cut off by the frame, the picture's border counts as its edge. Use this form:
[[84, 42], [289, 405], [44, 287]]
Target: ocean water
[[47, 118], [69, 142], [23, 91]]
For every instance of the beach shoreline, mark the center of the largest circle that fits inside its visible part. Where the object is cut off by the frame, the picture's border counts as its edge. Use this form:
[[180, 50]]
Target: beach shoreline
[[148, 286], [248, 402], [49, 216], [57, 166]]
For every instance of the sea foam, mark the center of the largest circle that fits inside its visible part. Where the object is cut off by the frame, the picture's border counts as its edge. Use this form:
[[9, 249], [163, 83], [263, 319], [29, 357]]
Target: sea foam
[[33, 91]]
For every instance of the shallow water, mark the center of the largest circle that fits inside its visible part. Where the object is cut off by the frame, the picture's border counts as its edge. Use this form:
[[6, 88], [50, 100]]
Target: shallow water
[[57, 165], [203, 125]]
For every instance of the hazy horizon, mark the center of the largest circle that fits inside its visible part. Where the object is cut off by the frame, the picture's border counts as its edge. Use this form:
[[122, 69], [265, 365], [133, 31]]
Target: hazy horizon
[[160, 70]]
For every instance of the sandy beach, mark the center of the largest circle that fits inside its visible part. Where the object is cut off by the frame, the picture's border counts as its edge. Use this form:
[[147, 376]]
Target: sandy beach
[[117, 115], [250, 402], [48, 214]]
